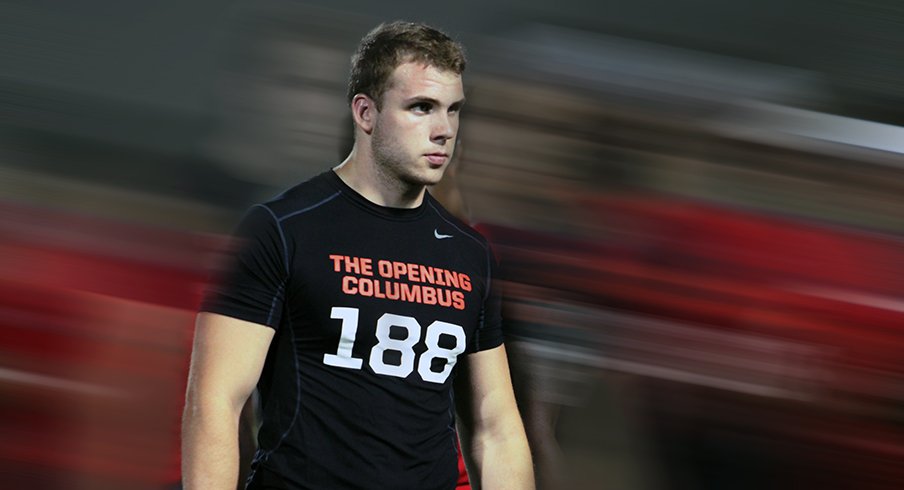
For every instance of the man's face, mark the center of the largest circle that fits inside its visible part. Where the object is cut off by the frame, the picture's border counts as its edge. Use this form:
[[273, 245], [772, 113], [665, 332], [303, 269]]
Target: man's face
[[414, 131]]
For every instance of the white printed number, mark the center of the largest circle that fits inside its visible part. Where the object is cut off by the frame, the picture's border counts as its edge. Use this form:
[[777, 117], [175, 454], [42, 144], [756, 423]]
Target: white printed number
[[404, 346], [343, 357], [434, 351]]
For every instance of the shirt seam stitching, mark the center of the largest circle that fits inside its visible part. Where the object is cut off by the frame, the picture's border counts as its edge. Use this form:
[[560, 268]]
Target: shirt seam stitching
[[309, 208], [282, 237]]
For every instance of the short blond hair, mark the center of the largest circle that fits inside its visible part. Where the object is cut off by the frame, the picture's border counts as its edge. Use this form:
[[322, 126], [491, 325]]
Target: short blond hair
[[390, 45]]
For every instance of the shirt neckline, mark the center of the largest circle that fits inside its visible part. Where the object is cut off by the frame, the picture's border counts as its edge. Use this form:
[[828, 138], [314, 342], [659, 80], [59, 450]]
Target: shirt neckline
[[399, 214]]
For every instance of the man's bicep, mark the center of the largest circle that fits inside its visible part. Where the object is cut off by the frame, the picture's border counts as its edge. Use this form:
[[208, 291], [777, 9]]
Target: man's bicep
[[227, 357]]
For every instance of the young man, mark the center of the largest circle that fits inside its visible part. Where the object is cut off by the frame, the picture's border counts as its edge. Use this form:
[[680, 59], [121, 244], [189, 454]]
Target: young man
[[356, 303]]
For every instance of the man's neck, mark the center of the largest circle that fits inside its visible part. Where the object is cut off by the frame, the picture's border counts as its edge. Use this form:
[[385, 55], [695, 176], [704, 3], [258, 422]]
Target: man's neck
[[361, 173]]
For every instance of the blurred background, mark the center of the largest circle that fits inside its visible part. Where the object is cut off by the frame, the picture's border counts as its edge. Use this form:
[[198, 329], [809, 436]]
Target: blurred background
[[699, 206]]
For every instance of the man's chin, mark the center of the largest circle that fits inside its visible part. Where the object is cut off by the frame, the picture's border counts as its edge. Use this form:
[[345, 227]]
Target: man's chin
[[428, 178]]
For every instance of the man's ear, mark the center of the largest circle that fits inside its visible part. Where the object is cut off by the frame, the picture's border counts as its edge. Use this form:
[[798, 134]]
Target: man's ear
[[364, 112]]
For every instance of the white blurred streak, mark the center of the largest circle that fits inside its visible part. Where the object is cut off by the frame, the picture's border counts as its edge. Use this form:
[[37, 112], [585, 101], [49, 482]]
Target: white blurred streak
[[590, 357], [815, 131], [890, 303], [16, 376]]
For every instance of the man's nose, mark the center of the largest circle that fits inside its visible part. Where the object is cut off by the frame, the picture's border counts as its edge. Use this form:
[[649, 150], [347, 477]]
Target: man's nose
[[443, 128]]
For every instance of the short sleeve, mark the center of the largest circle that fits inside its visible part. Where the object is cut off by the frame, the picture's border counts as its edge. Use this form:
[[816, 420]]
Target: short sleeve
[[250, 284], [489, 329]]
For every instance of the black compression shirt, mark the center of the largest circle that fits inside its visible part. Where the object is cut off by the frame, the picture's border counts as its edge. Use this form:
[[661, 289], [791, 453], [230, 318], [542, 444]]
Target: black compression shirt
[[372, 307]]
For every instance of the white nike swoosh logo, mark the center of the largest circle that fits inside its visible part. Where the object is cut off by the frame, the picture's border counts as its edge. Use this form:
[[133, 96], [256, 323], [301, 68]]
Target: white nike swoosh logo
[[438, 236]]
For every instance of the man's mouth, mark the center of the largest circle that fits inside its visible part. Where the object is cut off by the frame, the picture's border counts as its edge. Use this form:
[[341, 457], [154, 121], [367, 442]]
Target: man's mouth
[[437, 158]]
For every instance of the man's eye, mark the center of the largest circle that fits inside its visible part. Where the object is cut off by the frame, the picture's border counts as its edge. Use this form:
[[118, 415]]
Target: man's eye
[[421, 107]]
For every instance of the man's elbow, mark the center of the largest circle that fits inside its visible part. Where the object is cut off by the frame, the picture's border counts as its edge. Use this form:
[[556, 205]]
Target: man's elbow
[[506, 427], [202, 408]]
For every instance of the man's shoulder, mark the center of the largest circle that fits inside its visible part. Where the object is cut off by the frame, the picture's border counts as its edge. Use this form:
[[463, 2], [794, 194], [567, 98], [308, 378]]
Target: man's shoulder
[[457, 224], [306, 196]]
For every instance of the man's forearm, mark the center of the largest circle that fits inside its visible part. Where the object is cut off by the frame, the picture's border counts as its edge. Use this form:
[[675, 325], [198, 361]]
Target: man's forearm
[[210, 448], [500, 461]]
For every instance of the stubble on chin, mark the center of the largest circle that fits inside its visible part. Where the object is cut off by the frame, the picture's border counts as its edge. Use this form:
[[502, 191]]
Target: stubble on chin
[[406, 182]]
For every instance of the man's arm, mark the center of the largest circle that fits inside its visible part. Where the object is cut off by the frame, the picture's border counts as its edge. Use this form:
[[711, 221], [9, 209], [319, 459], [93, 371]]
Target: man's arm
[[227, 359], [490, 428]]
